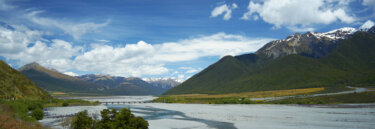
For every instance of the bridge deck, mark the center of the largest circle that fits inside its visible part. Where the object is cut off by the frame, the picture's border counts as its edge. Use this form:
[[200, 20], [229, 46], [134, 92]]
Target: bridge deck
[[125, 102]]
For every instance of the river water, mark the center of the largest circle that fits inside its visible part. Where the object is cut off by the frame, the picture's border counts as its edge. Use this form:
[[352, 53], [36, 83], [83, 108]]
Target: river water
[[230, 116]]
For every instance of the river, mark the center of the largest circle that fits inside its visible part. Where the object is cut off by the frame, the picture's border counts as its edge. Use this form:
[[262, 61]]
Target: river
[[230, 116]]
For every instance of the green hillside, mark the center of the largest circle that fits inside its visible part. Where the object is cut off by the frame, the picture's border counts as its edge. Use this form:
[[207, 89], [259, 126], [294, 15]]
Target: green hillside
[[352, 62], [14, 85]]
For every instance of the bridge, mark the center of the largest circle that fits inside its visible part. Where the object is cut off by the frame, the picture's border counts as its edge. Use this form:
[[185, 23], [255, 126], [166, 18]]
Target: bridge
[[59, 116], [124, 102]]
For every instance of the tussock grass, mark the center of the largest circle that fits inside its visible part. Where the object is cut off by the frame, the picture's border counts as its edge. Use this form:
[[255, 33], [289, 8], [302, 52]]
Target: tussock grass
[[256, 94], [234, 98]]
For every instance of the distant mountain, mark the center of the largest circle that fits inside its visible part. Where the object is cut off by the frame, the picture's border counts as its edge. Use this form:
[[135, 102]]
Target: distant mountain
[[122, 85], [15, 85], [52, 80], [165, 83], [336, 58]]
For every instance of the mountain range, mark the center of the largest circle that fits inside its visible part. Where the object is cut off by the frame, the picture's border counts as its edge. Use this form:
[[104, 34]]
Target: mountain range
[[53, 81], [165, 83], [337, 58], [128, 86]]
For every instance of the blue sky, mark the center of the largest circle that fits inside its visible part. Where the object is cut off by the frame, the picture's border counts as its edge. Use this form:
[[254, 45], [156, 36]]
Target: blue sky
[[159, 38]]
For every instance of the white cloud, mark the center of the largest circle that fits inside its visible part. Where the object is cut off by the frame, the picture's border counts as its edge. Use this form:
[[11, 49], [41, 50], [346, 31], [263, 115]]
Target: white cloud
[[25, 46], [15, 39], [71, 74], [181, 77], [57, 55], [234, 6], [299, 13], [76, 30], [301, 29], [219, 44], [367, 25], [104, 41], [190, 70], [130, 60], [224, 9], [149, 59]]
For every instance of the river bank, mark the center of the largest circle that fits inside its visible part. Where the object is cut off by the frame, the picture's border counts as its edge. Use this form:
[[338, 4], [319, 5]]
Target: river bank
[[293, 96], [231, 116]]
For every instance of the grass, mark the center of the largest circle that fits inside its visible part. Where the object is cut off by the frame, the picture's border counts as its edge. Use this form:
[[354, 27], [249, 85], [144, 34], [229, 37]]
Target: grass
[[58, 93], [365, 97], [244, 98], [18, 114], [8, 121], [70, 102], [71, 94], [21, 108], [237, 98], [257, 94]]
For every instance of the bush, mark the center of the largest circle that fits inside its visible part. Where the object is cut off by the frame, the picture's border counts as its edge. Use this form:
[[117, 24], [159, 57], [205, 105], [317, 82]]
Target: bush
[[35, 105], [38, 114], [65, 104]]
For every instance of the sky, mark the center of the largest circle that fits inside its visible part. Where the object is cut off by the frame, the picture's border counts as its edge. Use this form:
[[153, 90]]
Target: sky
[[159, 38]]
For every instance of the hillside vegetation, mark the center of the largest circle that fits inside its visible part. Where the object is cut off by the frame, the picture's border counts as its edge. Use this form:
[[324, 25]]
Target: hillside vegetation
[[15, 85]]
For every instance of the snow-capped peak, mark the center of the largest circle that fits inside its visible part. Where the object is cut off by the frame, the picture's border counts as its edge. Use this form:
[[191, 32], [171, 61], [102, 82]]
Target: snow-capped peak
[[341, 33], [162, 79], [367, 25], [348, 30]]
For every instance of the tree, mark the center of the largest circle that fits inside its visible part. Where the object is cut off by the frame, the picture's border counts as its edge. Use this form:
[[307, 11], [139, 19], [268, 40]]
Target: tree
[[125, 119], [111, 119], [141, 123], [82, 121], [106, 121]]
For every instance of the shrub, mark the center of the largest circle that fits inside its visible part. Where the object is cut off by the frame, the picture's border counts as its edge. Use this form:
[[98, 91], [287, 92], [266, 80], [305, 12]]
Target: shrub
[[38, 114], [35, 105], [65, 104]]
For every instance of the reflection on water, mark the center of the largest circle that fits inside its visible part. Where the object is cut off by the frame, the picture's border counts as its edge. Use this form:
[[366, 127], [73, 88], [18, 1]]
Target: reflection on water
[[232, 116]]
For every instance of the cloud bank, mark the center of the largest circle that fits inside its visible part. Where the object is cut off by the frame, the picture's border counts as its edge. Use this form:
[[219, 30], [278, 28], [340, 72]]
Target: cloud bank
[[299, 15], [24, 45]]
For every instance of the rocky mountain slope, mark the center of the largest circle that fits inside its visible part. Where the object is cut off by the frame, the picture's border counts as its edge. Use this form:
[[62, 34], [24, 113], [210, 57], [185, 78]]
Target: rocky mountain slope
[[312, 44], [335, 58]]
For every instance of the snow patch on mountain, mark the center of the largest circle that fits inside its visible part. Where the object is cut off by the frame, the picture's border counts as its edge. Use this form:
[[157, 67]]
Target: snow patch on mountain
[[341, 33], [155, 79]]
